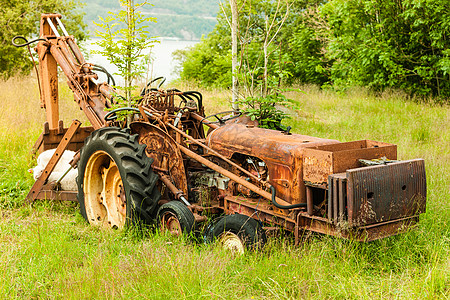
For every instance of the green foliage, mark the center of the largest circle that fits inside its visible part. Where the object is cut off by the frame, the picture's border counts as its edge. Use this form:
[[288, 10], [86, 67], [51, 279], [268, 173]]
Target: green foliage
[[295, 48], [124, 37], [380, 45], [49, 251], [263, 58], [303, 45], [390, 44], [264, 110], [22, 18], [265, 107], [207, 62]]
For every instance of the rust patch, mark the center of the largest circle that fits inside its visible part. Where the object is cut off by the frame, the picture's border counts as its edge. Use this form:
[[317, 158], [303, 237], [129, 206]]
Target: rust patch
[[164, 151]]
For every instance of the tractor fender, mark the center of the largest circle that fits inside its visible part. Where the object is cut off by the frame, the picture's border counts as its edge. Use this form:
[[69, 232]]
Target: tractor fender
[[164, 151]]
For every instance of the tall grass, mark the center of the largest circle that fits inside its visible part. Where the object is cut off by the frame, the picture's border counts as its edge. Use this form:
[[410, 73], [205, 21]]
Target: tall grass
[[48, 251]]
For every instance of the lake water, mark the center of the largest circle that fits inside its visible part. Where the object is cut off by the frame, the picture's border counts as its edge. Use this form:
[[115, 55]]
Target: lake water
[[163, 63]]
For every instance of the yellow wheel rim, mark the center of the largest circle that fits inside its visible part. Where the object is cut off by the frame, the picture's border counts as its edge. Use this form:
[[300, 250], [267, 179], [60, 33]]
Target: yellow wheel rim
[[104, 193], [232, 242]]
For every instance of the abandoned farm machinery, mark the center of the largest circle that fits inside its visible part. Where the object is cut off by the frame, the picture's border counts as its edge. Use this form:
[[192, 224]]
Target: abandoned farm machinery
[[176, 168]]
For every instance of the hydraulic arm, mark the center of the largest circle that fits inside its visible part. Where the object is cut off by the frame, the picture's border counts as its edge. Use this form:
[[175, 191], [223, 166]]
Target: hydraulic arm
[[60, 49]]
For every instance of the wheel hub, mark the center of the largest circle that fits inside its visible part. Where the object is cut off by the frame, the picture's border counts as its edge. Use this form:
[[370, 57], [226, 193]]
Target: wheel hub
[[104, 193], [232, 242], [170, 223]]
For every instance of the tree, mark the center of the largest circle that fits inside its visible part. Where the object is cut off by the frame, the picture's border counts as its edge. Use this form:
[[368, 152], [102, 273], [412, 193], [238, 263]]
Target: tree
[[124, 37], [295, 48], [208, 62], [19, 17], [400, 44], [380, 44], [234, 52]]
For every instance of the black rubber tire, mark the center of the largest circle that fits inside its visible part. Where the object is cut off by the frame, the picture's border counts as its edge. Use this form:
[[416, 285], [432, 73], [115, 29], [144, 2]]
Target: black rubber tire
[[181, 212], [249, 230], [139, 181]]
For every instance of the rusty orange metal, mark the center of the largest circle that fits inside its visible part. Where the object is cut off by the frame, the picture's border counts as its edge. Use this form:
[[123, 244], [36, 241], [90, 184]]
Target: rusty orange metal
[[280, 152]]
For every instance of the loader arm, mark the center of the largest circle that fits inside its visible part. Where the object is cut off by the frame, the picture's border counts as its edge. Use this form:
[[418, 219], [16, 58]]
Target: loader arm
[[60, 49]]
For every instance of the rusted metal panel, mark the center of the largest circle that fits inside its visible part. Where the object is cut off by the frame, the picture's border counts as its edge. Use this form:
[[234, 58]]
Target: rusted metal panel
[[317, 165], [268, 144], [282, 153], [321, 161], [50, 138], [258, 210], [164, 151], [337, 198], [281, 178], [386, 192], [46, 194]]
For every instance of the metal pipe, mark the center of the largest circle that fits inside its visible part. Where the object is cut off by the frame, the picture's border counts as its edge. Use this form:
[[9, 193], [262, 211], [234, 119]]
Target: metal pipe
[[53, 27], [64, 175], [237, 179], [184, 200], [216, 153], [61, 25], [309, 201], [76, 50], [178, 193], [67, 54], [106, 90], [200, 118]]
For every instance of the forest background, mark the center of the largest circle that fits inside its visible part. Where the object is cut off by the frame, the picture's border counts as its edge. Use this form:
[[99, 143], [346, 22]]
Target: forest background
[[394, 44]]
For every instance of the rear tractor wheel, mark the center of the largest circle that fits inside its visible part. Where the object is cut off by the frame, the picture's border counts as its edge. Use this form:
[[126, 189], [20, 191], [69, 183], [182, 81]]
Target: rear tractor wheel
[[116, 185]]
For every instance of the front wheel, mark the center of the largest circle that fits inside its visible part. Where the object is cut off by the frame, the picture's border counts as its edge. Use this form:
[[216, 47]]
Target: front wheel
[[237, 233], [175, 218], [116, 185]]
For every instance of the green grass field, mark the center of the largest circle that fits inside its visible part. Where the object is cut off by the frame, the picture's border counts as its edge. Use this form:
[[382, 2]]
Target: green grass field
[[48, 250]]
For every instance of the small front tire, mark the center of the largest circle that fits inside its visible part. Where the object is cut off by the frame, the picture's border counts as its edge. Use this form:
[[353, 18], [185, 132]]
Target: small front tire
[[175, 218], [237, 233]]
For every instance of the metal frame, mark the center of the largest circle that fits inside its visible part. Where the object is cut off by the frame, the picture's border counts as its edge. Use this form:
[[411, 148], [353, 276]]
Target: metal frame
[[37, 188]]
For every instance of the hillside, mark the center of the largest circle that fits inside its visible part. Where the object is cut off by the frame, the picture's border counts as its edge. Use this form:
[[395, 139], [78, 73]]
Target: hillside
[[186, 19]]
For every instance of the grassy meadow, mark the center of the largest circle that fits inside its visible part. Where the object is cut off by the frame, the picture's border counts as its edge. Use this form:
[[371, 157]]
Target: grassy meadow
[[48, 250]]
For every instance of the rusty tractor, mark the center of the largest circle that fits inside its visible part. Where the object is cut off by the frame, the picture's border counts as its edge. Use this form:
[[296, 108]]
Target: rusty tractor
[[177, 168]]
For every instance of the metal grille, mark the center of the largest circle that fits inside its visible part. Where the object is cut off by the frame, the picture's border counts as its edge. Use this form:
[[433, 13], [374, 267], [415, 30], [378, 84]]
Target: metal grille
[[337, 197], [386, 192]]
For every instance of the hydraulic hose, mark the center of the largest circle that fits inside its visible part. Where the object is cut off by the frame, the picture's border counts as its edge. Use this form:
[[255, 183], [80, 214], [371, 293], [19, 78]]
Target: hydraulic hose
[[109, 116], [146, 88], [108, 75], [274, 201], [27, 43]]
